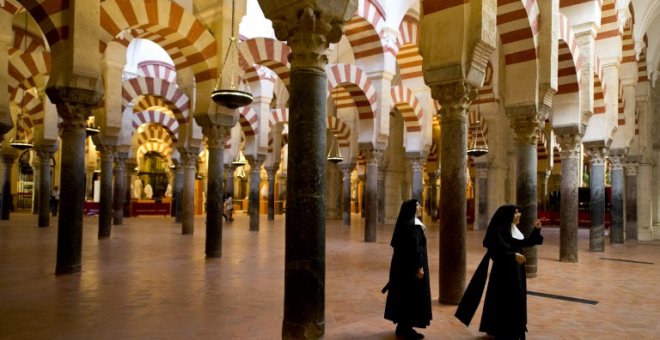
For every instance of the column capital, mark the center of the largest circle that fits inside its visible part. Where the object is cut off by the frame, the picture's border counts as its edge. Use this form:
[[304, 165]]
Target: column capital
[[525, 121], [417, 163], [597, 155], [481, 170], [9, 158], [454, 99], [308, 27], [570, 145], [630, 168], [372, 155], [616, 161], [216, 135], [73, 105]]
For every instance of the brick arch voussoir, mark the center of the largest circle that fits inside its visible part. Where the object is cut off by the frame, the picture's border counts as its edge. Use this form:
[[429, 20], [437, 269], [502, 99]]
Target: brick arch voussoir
[[141, 86]]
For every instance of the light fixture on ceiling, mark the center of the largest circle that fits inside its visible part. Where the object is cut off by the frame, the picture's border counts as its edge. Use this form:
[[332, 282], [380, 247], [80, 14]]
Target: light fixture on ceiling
[[334, 154], [231, 91], [240, 159]]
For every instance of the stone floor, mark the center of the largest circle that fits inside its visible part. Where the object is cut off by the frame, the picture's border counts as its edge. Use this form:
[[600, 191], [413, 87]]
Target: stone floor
[[149, 282]]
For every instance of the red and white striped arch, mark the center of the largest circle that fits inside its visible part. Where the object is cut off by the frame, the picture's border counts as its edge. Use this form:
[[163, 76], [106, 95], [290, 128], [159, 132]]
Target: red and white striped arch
[[159, 147], [142, 86], [266, 52], [25, 42], [433, 154], [628, 54], [155, 132], [486, 94], [28, 70], [517, 22], [249, 120], [362, 30], [340, 130], [156, 117], [408, 58], [569, 62], [10, 6], [51, 16], [149, 102], [621, 116], [32, 106], [356, 82], [609, 25], [599, 96], [166, 23], [157, 69], [541, 145], [642, 73], [408, 105], [278, 116]]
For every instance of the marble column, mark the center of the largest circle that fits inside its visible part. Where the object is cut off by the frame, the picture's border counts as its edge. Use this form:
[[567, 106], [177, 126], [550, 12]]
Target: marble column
[[525, 122], [35, 164], [631, 200], [229, 179], [188, 196], [119, 190], [570, 183], [644, 200], [371, 196], [308, 27], [271, 170], [417, 166], [346, 170], [455, 100], [179, 178], [216, 136], [597, 202], [617, 225], [544, 176], [7, 163], [73, 106], [89, 183], [131, 163], [433, 194], [481, 194], [255, 182], [362, 187], [105, 206], [380, 192], [45, 153]]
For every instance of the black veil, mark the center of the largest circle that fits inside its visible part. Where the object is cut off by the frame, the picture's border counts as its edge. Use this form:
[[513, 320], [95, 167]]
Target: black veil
[[406, 218], [499, 228]]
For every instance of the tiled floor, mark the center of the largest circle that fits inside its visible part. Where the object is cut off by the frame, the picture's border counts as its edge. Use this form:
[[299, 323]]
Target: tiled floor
[[149, 282]]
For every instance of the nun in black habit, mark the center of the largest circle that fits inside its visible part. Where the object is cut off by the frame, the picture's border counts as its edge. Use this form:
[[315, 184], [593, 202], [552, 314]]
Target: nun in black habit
[[505, 307], [409, 288]]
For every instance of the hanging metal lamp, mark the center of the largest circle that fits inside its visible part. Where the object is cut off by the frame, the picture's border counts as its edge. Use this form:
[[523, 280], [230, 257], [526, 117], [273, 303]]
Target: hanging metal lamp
[[240, 159], [231, 90], [334, 155], [475, 149]]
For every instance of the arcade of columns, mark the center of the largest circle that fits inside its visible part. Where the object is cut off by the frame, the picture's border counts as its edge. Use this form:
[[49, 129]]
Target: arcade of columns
[[546, 81]]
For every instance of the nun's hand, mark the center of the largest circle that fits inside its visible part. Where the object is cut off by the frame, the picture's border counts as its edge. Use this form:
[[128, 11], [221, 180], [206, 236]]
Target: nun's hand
[[520, 258], [420, 273], [538, 224]]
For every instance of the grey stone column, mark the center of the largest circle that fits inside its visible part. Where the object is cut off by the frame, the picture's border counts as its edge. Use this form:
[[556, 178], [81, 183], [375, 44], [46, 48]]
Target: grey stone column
[[89, 183], [544, 176], [380, 192], [417, 166], [371, 196], [7, 162], [597, 202], [455, 100], [229, 179], [526, 121], [308, 27], [362, 179], [618, 187], [119, 190], [346, 170], [45, 153], [631, 199], [74, 106], [570, 183], [481, 194], [433, 193], [645, 200], [131, 163], [216, 136], [179, 179], [188, 213], [255, 181], [35, 164], [105, 206], [272, 170]]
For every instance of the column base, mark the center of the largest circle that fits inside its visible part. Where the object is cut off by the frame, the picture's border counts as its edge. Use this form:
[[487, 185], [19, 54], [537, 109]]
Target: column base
[[67, 269]]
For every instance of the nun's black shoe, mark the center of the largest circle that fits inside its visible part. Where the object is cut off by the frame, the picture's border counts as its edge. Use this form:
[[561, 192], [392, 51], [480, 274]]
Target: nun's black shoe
[[408, 333]]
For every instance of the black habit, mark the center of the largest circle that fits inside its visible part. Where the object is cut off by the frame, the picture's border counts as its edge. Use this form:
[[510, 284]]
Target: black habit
[[409, 298], [505, 307]]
